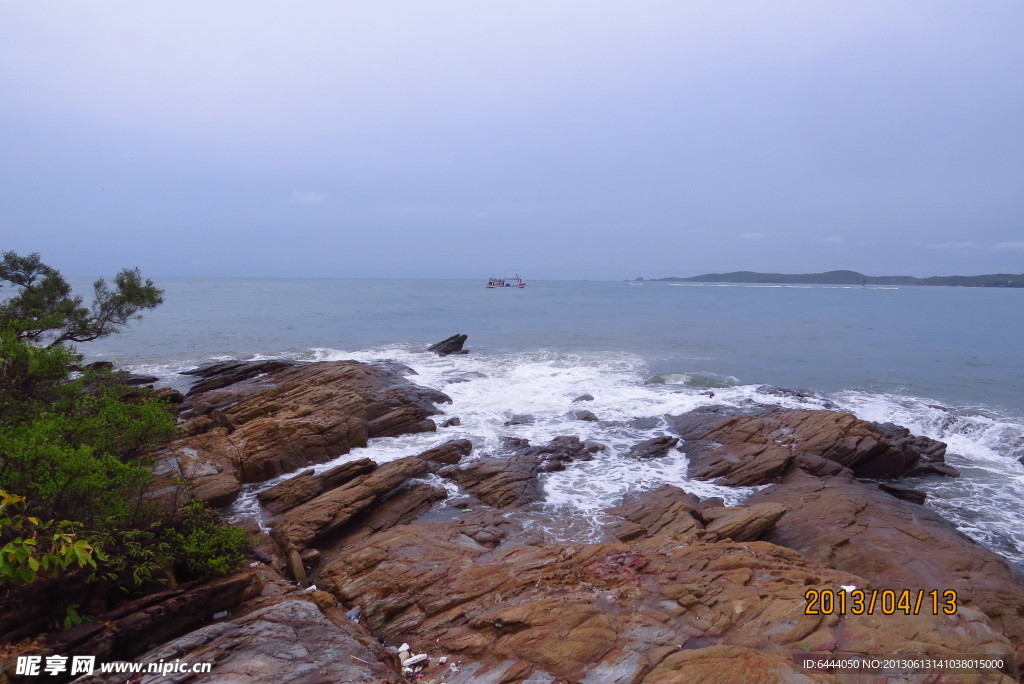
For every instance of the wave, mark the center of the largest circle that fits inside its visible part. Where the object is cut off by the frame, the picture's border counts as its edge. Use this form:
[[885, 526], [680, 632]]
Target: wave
[[534, 394]]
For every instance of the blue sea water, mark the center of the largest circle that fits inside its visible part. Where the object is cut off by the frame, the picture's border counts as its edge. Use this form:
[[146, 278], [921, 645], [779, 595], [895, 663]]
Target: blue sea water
[[944, 362]]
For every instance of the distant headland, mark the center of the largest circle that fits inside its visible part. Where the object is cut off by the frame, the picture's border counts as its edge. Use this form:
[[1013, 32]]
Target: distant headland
[[853, 278]]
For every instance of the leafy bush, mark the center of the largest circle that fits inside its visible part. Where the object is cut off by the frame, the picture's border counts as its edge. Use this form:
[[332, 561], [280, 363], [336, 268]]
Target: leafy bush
[[205, 547]]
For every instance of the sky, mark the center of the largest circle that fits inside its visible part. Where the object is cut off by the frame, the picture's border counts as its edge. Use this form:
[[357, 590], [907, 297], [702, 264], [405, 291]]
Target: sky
[[566, 139]]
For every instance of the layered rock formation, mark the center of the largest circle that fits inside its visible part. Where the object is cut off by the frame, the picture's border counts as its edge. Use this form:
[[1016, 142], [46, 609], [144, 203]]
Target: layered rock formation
[[249, 422], [678, 589]]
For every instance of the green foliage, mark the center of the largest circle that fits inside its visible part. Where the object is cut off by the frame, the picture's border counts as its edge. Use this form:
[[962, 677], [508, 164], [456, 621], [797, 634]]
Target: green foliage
[[76, 454], [45, 308], [206, 547], [35, 546], [73, 447]]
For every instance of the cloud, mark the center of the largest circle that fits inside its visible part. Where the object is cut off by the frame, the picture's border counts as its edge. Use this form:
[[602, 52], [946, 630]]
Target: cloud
[[956, 245], [1010, 245], [308, 197]]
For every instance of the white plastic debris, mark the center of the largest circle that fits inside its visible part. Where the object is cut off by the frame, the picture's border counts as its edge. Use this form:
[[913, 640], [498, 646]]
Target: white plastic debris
[[403, 647], [442, 660], [416, 660], [848, 588], [221, 614]]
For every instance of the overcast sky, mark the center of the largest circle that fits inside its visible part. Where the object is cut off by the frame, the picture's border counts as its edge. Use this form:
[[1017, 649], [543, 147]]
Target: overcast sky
[[558, 138]]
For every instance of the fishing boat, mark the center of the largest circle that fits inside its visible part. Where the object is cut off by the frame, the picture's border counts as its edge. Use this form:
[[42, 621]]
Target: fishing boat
[[506, 282]]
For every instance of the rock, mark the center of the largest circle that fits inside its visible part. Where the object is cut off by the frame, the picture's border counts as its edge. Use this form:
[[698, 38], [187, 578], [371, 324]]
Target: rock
[[291, 641], [125, 631], [255, 421], [167, 394], [656, 447], [509, 481], [667, 511], [328, 513], [905, 493], [131, 379], [583, 415], [224, 373], [451, 345], [501, 481], [448, 453], [520, 419], [307, 485], [583, 397], [745, 449], [451, 422], [745, 523], [855, 527], [619, 612]]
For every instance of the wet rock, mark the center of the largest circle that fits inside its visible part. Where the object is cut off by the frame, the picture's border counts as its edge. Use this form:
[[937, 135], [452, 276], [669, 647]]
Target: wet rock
[[583, 397], [520, 419], [254, 421], [583, 415], [328, 513], [752, 449], [308, 485], [510, 481], [451, 422], [224, 373], [905, 493], [656, 447], [451, 345], [501, 481], [667, 511], [449, 453]]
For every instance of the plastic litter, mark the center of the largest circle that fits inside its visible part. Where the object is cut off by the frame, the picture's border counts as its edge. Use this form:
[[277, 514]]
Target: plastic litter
[[416, 660], [354, 614]]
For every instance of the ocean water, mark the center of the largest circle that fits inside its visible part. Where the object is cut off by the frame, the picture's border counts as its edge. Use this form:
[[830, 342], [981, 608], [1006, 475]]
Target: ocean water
[[944, 362]]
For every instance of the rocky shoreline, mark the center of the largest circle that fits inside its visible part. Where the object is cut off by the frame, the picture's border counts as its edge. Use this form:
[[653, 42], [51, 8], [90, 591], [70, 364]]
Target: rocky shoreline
[[364, 558]]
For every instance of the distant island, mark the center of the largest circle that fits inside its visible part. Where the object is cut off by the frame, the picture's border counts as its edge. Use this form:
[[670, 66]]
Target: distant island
[[853, 278]]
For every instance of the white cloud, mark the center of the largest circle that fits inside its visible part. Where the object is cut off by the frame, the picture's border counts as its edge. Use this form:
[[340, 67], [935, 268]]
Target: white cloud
[[956, 245], [308, 197], [1010, 245]]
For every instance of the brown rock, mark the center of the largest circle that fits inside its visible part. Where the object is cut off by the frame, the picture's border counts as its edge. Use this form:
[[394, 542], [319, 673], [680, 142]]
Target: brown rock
[[290, 641], [667, 511], [254, 421], [855, 527], [745, 523], [743, 449], [656, 447], [617, 612], [508, 481], [125, 632], [308, 485], [327, 513]]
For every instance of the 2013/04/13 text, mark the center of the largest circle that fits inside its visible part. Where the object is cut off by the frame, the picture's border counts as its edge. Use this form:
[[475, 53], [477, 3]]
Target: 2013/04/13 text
[[884, 601]]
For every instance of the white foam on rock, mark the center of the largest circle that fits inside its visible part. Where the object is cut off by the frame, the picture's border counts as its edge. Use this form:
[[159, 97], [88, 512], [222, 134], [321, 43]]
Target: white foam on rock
[[538, 390]]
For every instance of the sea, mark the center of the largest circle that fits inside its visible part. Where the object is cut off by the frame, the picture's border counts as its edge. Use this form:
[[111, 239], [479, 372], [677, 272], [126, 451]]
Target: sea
[[943, 362]]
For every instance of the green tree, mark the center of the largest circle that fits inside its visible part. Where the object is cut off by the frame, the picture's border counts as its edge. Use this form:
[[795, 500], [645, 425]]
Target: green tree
[[73, 452], [45, 309]]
